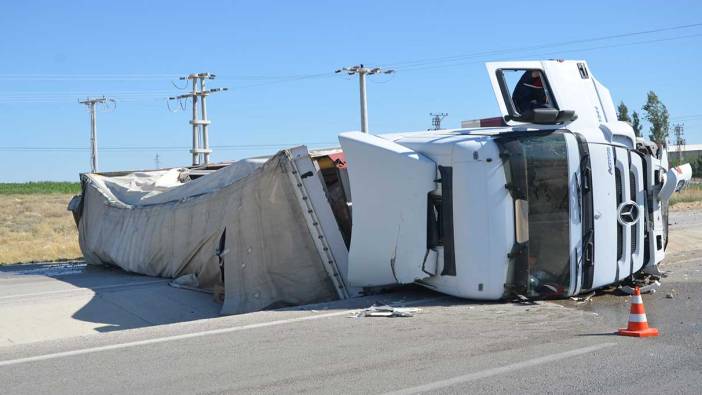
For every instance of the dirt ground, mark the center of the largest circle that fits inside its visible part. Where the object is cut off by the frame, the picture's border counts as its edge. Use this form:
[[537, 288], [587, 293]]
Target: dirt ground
[[37, 227], [684, 206]]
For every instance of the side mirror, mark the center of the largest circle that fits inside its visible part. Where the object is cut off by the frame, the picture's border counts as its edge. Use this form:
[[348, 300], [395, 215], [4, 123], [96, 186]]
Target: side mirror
[[676, 180], [545, 116]]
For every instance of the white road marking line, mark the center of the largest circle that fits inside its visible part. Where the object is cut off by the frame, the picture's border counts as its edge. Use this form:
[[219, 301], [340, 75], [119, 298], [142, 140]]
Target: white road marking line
[[80, 289], [195, 334], [503, 369]]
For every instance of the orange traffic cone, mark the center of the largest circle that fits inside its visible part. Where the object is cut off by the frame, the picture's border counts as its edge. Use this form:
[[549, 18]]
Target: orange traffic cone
[[638, 325]]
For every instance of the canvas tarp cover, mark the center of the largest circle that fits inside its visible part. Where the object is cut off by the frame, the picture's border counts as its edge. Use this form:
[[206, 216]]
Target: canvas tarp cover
[[151, 223]]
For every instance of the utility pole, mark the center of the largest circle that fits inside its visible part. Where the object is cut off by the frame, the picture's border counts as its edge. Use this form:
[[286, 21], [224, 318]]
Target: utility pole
[[201, 147], [158, 162], [362, 72], [679, 132], [436, 120], [91, 103]]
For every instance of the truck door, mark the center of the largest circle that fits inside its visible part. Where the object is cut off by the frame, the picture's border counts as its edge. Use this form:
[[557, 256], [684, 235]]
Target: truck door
[[512, 73], [605, 214], [559, 91]]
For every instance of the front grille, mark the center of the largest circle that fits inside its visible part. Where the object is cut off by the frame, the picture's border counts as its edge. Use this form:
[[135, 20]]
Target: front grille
[[620, 227], [632, 186], [633, 196], [618, 178]]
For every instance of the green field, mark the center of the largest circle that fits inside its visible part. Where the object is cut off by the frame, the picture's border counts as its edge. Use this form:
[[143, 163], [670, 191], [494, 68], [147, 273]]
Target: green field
[[42, 187]]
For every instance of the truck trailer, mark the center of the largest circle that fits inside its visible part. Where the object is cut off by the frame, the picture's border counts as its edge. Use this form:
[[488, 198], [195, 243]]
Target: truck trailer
[[553, 198]]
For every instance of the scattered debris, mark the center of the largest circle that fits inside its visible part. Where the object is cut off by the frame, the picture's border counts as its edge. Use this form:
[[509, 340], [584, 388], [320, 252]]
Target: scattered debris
[[669, 295], [386, 311], [649, 288], [188, 280], [583, 299], [521, 299], [191, 283], [646, 282]]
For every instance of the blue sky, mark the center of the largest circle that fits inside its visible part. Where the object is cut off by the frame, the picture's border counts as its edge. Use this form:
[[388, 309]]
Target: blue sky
[[56, 52]]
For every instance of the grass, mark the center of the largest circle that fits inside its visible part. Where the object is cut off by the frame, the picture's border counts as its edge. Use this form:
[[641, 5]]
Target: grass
[[36, 226], [41, 187], [692, 194]]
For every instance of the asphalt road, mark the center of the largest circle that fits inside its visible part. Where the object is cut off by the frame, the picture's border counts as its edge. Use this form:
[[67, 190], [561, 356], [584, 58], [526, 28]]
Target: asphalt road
[[451, 346]]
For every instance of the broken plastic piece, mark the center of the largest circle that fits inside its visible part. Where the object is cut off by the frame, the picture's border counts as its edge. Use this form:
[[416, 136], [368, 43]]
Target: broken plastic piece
[[650, 288], [188, 280], [386, 311], [583, 299]]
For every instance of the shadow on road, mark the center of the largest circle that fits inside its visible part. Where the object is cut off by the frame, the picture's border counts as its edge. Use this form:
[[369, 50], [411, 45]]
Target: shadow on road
[[71, 298]]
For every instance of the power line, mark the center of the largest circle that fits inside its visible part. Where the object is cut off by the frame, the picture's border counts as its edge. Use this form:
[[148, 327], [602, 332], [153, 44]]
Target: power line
[[421, 64], [51, 97], [559, 52], [87, 77], [155, 95], [274, 79], [70, 96], [540, 46], [79, 93], [142, 77], [284, 80], [161, 148]]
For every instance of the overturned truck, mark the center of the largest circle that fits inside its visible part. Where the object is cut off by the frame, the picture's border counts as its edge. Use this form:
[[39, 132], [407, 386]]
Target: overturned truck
[[553, 198]]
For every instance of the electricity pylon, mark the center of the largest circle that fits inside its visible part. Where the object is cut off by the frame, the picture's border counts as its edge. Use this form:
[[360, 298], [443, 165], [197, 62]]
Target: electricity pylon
[[91, 103], [362, 72], [201, 147]]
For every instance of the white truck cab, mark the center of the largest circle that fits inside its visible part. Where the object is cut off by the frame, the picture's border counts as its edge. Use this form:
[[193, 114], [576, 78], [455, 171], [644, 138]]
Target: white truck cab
[[554, 198]]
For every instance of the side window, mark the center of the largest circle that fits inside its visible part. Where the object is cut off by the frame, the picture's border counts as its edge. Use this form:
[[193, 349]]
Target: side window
[[524, 90]]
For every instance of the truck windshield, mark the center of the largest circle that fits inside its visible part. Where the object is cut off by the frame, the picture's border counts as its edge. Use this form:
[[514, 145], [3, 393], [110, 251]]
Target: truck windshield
[[538, 174]]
